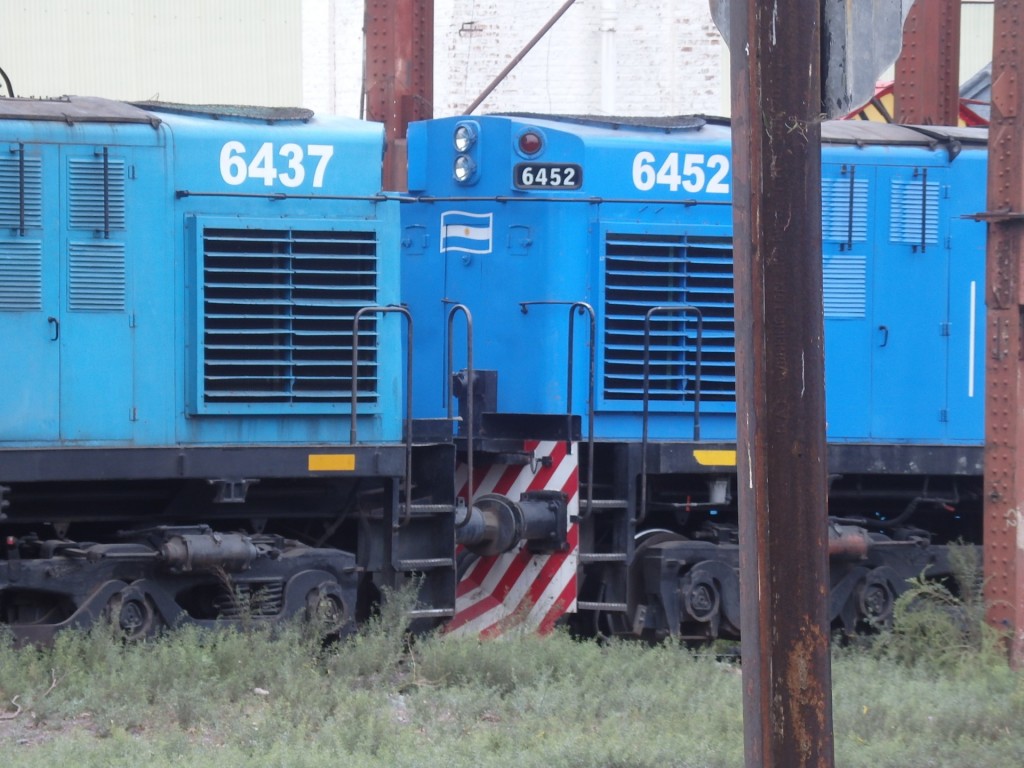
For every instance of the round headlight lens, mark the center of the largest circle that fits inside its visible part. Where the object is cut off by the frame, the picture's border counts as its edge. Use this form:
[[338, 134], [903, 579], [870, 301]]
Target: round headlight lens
[[464, 168], [465, 137]]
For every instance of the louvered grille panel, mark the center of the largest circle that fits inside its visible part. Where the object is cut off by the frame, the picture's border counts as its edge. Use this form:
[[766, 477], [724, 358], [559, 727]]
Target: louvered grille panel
[[844, 286], [21, 192], [21, 275], [844, 210], [96, 277], [645, 271], [278, 308], [96, 194], [915, 212]]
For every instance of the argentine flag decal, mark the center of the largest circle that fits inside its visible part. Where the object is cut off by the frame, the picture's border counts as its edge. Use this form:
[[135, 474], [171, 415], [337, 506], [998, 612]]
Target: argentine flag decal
[[467, 232]]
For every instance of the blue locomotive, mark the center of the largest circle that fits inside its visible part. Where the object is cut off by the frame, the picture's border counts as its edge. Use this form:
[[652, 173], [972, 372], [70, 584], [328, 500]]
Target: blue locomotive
[[593, 260], [244, 381], [202, 408]]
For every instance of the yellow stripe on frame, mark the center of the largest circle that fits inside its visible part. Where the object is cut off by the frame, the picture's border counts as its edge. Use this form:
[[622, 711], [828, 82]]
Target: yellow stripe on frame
[[332, 462], [715, 458]]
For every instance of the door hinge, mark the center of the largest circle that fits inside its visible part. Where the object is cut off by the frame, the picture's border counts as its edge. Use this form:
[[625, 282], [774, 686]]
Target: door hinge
[[945, 329], [943, 415]]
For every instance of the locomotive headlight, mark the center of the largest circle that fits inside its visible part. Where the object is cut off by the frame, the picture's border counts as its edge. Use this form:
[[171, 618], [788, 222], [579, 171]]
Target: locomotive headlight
[[465, 168], [465, 137]]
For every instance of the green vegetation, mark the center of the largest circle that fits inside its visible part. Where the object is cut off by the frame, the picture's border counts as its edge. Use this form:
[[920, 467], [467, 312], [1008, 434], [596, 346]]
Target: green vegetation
[[377, 699]]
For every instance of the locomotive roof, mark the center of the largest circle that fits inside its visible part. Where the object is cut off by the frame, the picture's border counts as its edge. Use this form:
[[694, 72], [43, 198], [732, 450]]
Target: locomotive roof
[[664, 122], [858, 132], [269, 114], [75, 109], [870, 132], [92, 109]]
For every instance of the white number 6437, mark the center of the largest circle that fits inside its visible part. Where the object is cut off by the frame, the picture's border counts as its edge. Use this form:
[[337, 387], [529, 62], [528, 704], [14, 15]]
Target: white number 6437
[[236, 167]]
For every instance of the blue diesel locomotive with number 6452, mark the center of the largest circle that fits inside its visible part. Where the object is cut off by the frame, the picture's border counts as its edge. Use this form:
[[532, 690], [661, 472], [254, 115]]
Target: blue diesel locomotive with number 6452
[[593, 259]]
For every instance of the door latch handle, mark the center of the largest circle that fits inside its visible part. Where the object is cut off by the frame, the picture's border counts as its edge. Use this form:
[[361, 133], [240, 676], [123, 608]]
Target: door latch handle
[[885, 334], [55, 323]]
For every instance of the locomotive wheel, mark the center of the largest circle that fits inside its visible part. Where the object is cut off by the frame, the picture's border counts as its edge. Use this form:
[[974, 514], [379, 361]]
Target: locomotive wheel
[[875, 600], [326, 609], [702, 598], [132, 611], [637, 595]]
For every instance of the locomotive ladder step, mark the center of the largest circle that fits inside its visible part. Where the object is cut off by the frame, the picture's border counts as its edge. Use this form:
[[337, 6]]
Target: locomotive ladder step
[[431, 613], [601, 505], [426, 564], [582, 605], [602, 557]]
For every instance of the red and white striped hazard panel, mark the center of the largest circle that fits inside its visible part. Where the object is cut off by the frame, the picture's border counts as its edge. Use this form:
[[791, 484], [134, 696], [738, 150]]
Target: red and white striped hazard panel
[[520, 589]]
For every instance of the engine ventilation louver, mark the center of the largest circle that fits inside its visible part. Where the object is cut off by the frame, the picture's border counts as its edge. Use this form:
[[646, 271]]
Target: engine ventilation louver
[[915, 212], [96, 277], [278, 307], [21, 192], [96, 194], [21, 275], [645, 271], [844, 211], [844, 286]]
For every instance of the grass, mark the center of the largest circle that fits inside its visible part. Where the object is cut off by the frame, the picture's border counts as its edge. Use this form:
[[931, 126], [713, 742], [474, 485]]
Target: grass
[[377, 699]]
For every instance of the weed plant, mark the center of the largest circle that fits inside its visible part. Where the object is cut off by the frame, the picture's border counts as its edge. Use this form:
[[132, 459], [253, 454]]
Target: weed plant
[[378, 698]]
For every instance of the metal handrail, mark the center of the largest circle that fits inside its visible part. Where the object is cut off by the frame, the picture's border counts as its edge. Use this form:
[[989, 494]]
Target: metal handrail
[[647, 399], [470, 413], [580, 306], [408, 394]]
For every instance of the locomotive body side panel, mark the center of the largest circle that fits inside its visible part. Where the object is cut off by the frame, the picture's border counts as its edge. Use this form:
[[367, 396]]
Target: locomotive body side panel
[[195, 282], [79, 205]]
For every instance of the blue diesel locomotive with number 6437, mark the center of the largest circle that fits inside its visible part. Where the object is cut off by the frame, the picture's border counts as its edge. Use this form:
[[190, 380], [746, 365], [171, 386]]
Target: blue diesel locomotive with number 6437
[[245, 381], [201, 414]]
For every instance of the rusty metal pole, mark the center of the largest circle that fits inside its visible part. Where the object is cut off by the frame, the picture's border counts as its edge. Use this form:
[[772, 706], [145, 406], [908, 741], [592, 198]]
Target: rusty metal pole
[[776, 101], [927, 86], [1004, 369], [398, 79]]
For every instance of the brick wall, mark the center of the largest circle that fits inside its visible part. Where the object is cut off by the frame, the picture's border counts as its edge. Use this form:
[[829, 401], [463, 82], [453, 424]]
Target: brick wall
[[656, 57]]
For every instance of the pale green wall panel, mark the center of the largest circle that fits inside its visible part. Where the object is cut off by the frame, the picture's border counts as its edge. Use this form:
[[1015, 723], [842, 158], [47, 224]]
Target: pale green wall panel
[[198, 51]]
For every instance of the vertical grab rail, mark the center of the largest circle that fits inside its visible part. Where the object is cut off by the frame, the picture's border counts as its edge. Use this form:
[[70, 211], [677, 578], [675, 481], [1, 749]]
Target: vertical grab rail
[[407, 424], [647, 392], [580, 306], [470, 412]]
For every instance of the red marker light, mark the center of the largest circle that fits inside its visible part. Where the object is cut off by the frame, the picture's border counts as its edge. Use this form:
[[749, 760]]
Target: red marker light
[[530, 143], [11, 541]]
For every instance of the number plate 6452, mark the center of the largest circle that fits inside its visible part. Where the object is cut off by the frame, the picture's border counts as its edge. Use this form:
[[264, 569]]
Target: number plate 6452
[[547, 176]]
